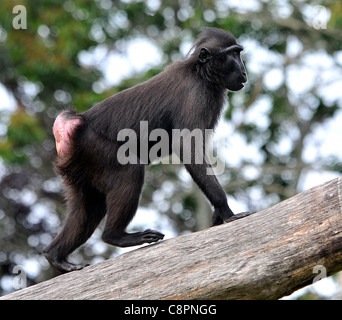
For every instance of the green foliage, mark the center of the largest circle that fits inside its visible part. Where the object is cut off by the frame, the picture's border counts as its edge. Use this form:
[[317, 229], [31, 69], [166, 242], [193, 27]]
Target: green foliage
[[190, 203], [23, 130]]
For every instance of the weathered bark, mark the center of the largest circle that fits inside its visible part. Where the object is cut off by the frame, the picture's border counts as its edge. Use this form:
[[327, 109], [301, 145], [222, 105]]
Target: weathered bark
[[266, 255]]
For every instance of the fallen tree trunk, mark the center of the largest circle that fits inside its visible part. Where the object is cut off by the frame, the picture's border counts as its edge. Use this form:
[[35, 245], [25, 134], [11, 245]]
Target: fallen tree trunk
[[266, 255]]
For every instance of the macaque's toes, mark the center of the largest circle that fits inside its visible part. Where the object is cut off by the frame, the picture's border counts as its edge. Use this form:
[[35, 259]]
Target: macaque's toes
[[150, 236], [63, 265]]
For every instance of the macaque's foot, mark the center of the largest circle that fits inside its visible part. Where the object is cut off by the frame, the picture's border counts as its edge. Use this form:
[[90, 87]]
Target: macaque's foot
[[133, 239], [63, 265], [238, 216]]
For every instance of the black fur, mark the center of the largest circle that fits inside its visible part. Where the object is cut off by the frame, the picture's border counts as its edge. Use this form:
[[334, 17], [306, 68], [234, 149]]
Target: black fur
[[188, 94]]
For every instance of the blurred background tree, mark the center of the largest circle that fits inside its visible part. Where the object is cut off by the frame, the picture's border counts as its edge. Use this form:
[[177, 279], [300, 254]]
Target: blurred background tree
[[282, 132]]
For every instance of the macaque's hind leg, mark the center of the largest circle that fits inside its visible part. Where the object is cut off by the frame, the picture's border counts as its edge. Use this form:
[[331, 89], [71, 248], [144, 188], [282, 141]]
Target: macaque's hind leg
[[86, 208], [122, 203]]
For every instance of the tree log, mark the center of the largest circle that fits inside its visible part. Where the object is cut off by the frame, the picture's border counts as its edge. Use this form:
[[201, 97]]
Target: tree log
[[266, 255]]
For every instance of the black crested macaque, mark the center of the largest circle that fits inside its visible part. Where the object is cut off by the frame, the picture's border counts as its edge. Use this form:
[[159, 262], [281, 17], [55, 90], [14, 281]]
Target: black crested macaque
[[188, 94]]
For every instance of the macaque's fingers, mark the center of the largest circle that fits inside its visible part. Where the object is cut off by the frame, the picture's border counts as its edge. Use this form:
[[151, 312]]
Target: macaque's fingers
[[238, 216]]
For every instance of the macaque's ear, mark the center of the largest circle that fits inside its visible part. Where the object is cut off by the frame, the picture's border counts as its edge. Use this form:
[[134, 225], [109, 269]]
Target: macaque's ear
[[204, 55]]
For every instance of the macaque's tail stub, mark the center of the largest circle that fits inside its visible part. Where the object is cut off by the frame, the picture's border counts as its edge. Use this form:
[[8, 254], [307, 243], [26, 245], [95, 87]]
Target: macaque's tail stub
[[63, 129]]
